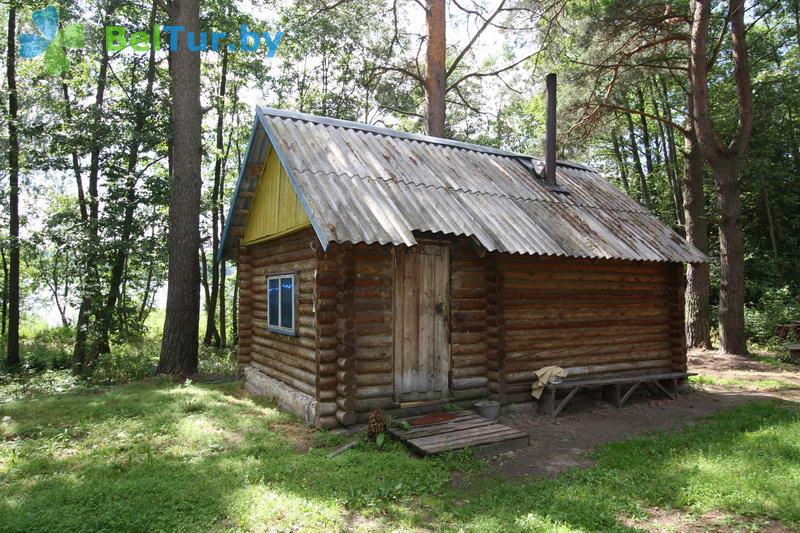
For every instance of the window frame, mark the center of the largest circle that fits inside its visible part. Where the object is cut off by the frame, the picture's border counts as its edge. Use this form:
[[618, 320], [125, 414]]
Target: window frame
[[291, 331]]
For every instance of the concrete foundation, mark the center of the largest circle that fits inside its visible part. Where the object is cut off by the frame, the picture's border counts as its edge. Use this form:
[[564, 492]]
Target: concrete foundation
[[286, 397]]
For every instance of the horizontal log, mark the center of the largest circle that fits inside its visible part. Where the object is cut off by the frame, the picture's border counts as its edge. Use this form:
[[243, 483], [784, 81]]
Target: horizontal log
[[468, 372], [346, 417], [326, 408], [297, 373], [469, 394], [280, 376], [469, 383], [375, 391]]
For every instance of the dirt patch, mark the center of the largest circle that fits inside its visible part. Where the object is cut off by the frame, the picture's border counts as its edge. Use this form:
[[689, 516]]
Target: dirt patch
[[585, 424], [676, 520], [300, 435], [744, 373]]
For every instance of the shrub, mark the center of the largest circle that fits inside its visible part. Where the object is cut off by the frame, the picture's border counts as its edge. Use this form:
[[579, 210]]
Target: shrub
[[48, 349], [128, 362], [777, 306]]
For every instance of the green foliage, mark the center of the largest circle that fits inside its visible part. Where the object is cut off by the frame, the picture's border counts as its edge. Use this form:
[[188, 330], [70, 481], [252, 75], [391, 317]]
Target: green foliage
[[48, 349], [127, 362], [776, 306]]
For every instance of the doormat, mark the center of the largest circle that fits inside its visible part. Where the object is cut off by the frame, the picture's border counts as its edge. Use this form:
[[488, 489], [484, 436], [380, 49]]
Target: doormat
[[435, 418]]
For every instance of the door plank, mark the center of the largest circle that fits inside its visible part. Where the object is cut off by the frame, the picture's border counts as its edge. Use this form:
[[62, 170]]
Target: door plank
[[441, 335], [411, 323], [427, 349]]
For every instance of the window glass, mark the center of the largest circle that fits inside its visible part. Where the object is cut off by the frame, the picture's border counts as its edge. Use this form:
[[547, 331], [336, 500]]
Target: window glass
[[287, 299], [273, 294]]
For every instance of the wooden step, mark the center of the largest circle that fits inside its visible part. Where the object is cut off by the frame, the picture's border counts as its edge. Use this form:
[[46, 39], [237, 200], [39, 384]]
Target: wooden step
[[468, 430]]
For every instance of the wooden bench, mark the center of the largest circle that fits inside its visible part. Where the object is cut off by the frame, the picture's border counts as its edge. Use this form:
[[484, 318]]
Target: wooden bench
[[616, 390], [794, 352]]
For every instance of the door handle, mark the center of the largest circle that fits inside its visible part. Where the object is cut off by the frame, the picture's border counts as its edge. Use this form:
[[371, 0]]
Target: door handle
[[440, 308]]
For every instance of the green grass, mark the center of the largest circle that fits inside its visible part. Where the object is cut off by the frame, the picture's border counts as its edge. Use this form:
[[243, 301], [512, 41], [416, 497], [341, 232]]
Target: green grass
[[759, 384], [163, 457]]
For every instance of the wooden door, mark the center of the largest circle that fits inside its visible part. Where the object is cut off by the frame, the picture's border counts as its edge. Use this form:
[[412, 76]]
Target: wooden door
[[421, 310]]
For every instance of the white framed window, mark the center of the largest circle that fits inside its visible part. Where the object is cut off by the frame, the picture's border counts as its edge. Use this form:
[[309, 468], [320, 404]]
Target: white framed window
[[280, 303]]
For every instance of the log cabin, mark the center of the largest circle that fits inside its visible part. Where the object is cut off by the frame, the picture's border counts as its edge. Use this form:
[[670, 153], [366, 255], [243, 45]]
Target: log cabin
[[380, 269]]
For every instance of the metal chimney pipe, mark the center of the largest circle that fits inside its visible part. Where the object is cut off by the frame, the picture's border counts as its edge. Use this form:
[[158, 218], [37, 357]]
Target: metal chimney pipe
[[550, 148]]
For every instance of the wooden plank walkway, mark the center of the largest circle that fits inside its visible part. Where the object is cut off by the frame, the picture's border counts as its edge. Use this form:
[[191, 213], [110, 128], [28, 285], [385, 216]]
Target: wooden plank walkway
[[466, 430]]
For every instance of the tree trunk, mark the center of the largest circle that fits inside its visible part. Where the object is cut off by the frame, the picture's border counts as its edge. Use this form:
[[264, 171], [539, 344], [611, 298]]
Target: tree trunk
[[223, 313], [436, 74], [616, 142], [4, 302], [179, 344], [670, 151], [82, 356], [122, 250], [637, 162], [12, 340], [731, 252], [698, 322], [212, 336], [723, 160], [648, 156], [773, 240]]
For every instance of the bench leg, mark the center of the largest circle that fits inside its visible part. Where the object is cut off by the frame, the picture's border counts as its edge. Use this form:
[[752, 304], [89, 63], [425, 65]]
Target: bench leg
[[611, 394], [628, 393], [566, 400], [671, 384], [547, 401]]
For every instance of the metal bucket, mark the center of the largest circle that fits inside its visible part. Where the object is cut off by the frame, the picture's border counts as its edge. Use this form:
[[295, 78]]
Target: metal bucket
[[488, 409]]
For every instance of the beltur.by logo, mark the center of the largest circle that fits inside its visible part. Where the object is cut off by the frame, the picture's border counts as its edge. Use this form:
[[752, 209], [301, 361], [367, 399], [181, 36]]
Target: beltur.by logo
[[51, 41], [118, 38]]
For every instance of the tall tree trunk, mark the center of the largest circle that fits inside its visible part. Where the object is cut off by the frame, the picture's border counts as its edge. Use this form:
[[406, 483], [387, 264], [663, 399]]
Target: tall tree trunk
[[648, 156], [212, 333], [670, 150], [637, 162], [223, 310], [82, 356], [122, 249], [616, 142], [4, 301], [731, 251], [773, 241], [723, 161], [179, 344], [698, 322], [12, 339], [436, 74]]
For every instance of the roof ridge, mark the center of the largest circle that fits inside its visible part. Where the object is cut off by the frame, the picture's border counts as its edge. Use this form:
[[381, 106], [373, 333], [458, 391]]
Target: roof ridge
[[418, 137], [466, 191]]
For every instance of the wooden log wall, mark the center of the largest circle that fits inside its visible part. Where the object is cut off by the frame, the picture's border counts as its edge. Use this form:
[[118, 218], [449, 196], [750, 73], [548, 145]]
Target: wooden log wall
[[291, 359], [592, 317], [509, 316], [470, 318], [372, 279]]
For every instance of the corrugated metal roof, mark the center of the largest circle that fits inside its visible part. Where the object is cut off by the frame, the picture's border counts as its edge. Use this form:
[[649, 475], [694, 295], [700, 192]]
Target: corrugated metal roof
[[360, 183]]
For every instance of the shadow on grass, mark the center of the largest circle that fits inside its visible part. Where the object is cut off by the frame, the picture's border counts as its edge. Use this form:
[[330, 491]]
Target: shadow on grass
[[166, 457], [743, 461]]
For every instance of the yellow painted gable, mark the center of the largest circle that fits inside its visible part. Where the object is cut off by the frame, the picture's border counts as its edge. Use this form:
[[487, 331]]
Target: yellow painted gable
[[276, 210]]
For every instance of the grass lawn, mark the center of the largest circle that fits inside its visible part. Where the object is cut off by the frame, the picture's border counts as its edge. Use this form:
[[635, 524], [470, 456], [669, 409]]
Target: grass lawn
[[755, 384], [160, 456]]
